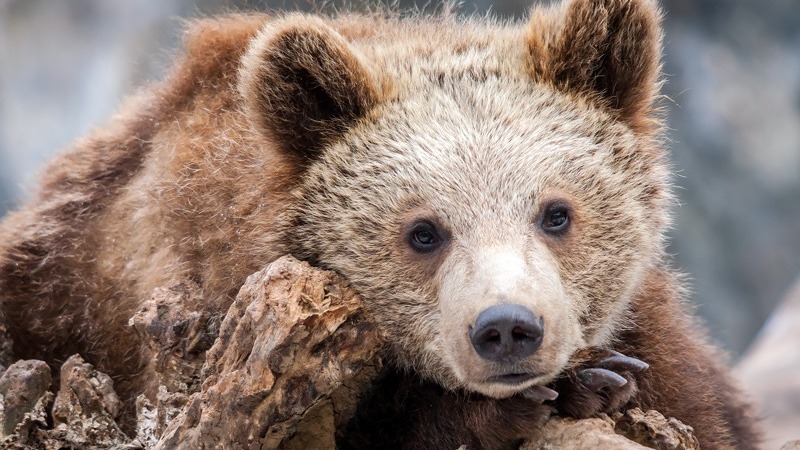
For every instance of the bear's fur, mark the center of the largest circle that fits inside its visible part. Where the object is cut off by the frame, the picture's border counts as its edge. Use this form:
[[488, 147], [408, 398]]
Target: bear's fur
[[333, 139]]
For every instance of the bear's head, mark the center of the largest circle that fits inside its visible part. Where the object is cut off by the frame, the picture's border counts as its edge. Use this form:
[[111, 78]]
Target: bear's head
[[496, 193]]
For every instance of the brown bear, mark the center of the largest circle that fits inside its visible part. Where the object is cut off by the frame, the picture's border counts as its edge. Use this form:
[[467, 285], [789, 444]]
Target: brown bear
[[497, 192]]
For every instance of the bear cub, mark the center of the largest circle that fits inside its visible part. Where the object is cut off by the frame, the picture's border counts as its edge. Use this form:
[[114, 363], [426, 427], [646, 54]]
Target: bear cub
[[498, 193]]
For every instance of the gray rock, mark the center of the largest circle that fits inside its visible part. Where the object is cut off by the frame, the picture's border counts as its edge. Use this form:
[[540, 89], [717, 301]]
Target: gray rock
[[22, 386], [770, 369]]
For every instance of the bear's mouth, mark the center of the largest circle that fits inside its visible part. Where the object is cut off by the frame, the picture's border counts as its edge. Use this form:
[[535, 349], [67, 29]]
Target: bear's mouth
[[513, 378]]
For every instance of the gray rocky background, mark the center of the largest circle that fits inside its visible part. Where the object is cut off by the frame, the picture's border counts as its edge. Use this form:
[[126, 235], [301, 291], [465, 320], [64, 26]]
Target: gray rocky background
[[733, 101]]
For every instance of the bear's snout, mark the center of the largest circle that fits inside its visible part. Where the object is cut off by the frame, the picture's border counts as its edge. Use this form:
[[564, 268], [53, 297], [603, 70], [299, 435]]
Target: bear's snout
[[506, 333]]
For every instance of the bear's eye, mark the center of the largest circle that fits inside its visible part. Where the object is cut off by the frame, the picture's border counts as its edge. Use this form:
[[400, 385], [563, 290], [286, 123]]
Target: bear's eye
[[424, 237], [555, 219]]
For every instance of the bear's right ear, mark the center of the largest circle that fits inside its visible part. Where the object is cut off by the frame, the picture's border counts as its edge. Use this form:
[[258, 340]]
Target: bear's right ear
[[303, 85]]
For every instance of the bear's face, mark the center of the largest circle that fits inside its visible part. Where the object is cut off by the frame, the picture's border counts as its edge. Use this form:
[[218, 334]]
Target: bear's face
[[494, 221], [448, 204]]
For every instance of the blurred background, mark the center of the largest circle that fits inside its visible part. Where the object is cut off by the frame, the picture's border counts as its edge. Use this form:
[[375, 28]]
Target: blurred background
[[733, 88]]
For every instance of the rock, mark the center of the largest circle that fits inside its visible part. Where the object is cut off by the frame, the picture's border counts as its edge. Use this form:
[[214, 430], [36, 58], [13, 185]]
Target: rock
[[146, 423], [656, 431], [292, 358], [178, 328], [22, 386], [769, 372], [86, 407], [83, 413], [633, 430], [586, 434], [292, 339]]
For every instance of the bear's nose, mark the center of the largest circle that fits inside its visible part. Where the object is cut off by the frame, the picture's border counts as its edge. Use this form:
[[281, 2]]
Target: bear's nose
[[506, 332]]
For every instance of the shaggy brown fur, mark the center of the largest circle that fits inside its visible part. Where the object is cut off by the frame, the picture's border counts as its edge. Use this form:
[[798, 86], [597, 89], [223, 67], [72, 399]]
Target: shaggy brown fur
[[332, 139]]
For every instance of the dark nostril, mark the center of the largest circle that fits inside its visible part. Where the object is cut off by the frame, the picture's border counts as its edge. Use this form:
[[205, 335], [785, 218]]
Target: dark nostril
[[522, 333], [507, 332], [492, 335]]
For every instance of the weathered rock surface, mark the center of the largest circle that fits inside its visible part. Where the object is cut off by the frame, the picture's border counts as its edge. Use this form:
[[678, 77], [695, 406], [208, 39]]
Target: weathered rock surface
[[653, 430], [289, 362], [293, 337], [586, 434], [83, 413], [633, 430], [23, 387], [86, 407], [178, 330]]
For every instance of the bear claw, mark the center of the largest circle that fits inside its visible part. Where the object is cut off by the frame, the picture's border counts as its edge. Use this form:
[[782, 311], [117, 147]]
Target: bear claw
[[540, 394], [597, 379], [604, 383], [618, 362]]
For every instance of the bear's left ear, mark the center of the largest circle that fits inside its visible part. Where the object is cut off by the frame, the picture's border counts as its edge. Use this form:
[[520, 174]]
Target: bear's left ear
[[303, 84], [609, 50]]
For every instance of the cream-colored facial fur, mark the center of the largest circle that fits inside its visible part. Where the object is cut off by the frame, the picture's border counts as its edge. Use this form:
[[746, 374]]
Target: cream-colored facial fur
[[444, 145], [484, 175]]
